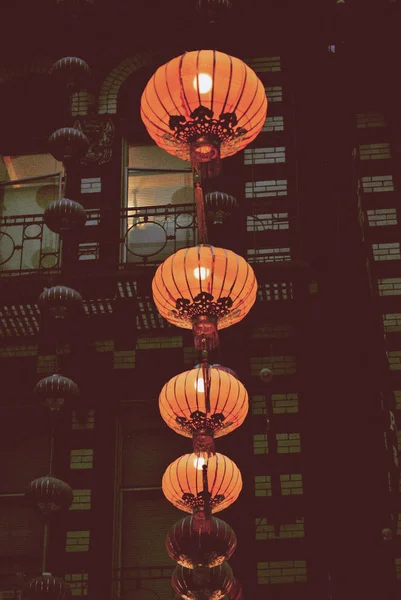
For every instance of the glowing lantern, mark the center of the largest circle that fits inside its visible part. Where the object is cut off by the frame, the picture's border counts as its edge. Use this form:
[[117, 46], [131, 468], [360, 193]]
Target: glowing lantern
[[192, 546], [208, 584], [204, 105], [182, 482], [189, 410], [204, 288], [64, 215], [50, 494]]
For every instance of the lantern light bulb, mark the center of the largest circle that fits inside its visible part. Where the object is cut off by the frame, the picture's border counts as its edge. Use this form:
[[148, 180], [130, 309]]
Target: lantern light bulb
[[201, 273], [199, 385], [204, 81], [199, 461]]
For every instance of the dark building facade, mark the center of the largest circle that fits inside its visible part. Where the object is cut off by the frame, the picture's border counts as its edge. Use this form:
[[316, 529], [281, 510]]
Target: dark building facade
[[318, 220]]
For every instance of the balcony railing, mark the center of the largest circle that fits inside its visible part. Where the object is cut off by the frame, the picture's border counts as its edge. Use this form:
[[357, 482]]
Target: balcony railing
[[148, 236]]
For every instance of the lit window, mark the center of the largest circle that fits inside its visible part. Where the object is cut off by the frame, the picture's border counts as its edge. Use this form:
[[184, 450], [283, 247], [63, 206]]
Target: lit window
[[291, 484], [285, 571], [263, 485], [260, 443]]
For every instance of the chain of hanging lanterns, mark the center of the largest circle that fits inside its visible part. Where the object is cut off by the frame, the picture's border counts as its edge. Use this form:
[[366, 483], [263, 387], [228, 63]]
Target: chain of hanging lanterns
[[58, 306], [203, 106]]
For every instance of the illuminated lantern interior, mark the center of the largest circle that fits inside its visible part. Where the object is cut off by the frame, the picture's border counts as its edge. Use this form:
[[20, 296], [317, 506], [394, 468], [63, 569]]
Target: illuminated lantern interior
[[205, 289], [204, 105], [182, 482], [182, 403]]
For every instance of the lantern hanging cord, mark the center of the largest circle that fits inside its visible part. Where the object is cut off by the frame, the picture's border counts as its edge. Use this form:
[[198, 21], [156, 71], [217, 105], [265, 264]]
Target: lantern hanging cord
[[205, 493], [206, 374], [200, 209]]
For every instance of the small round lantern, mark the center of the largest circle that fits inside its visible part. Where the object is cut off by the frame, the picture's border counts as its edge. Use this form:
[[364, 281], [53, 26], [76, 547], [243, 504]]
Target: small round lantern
[[68, 144], [213, 10], [220, 206], [204, 288], [192, 546], [50, 494], [64, 215], [48, 587], [205, 584], [266, 375], [203, 106], [55, 390], [71, 71], [59, 302], [185, 407], [182, 482]]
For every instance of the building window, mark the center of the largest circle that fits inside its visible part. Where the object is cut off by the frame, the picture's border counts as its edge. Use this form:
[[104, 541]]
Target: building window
[[273, 123], [285, 403], [386, 251], [266, 189], [285, 571], [260, 443], [278, 330], [77, 541], [159, 205], [268, 255], [277, 291], [370, 120], [268, 222], [81, 500], [274, 93], [392, 322], [288, 443], [382, 217], [263, 485], [389, 287], [291, 485], [265, 64], [280, 365], [264, 156], [266, 531], [397, 397], [78, 583], [380, 183], [374, 151], [81, 459]]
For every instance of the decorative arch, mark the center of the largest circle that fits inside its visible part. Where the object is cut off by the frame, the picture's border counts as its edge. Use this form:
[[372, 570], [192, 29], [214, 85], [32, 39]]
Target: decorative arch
[[111, 85]]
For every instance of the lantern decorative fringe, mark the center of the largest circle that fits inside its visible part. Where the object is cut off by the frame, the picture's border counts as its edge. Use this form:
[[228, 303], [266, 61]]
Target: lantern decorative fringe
[[68, 144], [213, 10], [203, 106], [209, 546], [206, 289], [219, 206], [203, 583], [71, 71], [184, 400], [182, 482], [50, 494], [55, 390], [48, 587], [59, 302], [64, 215]]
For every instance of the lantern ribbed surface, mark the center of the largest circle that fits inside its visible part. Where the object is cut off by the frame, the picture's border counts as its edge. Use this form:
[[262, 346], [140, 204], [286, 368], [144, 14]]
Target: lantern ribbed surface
[[48, 587], [211, 584], [55, 390], [71, 70], [204, 93], [204, 280], [50, 494], [68, 143], [219, 206], [64, 215], [60, 301], [192, 546], [182, 403], [182, 482]]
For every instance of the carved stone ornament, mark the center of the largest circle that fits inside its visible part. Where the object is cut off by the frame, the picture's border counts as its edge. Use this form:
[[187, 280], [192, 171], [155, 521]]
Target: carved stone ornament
[[100, 133]]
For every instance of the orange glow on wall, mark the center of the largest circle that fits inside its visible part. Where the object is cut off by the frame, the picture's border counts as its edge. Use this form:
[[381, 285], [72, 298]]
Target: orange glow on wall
[[182, 482], [182, 403], [204, 281], [218, 89]]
